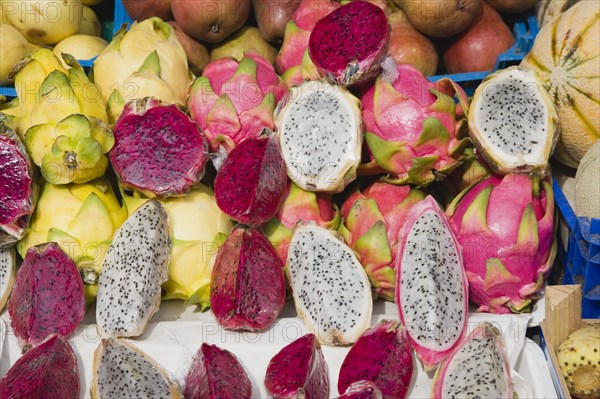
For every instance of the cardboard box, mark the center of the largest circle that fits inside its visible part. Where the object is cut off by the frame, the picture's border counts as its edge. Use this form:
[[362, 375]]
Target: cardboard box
[[563, 316]]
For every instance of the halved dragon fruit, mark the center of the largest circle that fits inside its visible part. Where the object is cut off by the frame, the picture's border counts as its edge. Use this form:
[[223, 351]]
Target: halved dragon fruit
[[133, 271], [382, 355], [158, 150], [320, 132], [431, 285], [363, 389], [349, 44], [216, 373], [247, 286], [298, 371], [49, 370], [47, 296], [331, 290], [513, 122], [17, 193], [477, 367], [250, 183], [8, 267]]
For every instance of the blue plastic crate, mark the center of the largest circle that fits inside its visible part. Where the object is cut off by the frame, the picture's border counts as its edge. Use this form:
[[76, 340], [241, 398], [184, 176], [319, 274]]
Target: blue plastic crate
[[581, 254]]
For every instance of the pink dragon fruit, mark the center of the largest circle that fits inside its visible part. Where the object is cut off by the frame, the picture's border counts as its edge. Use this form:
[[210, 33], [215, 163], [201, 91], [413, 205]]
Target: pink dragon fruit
[[414, 127], [247, 289], [47, 296], [382, 355], [506, 228], [298, 371], [348, 45], [372, 221], [232, 101], [251, 182], [299, 205], [293, 61], [363, 389], [158, 149]]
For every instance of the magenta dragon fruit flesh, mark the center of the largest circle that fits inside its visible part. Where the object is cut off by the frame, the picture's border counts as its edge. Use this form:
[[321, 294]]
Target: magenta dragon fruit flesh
[[47, 295], [17, 188], [363, 389], [298, 371], [251, 182], [431, 284], [382, 355], [247, 285], [159, 150], [372, 220], [49, 370], [234, 101], [216, 373], [506, 228], [349, 44], [414, 129]]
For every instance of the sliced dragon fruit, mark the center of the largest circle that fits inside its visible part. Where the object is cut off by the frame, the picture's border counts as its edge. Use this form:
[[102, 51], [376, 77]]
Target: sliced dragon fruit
[[331, 289], [431, 284], [298, 371], [382, 355], [158, 150], [48, 370], [133, 271], [320, 131], [363, 389], [513, 122], [47, 296], [247, 286], [349, 44], [250, 183], [8, 261], [216, 373], [477, 367], [123, 371], [17, 193]]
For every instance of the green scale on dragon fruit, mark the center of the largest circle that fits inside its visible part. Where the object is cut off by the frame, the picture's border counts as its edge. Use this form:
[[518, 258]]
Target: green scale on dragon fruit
[[506, 228]]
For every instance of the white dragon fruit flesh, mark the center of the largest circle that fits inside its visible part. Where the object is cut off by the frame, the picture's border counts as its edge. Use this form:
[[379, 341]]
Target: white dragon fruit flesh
[[431, 285], [133, 271], [8, 267]]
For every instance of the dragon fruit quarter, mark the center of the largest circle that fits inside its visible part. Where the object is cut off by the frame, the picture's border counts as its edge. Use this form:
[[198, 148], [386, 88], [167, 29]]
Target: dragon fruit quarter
[[506, 228]]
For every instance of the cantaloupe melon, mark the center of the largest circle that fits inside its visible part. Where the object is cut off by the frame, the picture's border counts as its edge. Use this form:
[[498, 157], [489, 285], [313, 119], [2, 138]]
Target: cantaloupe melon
[[566, 56], [587, 184]]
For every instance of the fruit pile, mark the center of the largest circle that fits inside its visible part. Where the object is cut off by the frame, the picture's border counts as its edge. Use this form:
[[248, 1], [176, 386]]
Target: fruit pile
[[338, 177]]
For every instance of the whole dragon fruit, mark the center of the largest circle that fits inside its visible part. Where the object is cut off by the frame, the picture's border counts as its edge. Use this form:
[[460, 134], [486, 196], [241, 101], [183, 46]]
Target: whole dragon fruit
[[299, 205], [232, 101], [372, 220], [506, 228], [414, 127], [293, 61]]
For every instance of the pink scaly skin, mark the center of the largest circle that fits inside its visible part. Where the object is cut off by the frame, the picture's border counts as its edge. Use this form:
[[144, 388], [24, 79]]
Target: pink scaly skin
[[507, 232]]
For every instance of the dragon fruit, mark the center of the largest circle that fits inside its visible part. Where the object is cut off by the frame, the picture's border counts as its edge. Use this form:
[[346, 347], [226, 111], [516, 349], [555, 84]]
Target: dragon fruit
[[47, 296], [513, 122], [299, 205], [293, 61], [123, 371], [477, 367], [47, 370], [431, 285], [8, 265], [372, 221], [331, 290], [233, 101], [133, 271], [381, 355], [247, 286], [506, 228], [18, 193], [320, 132], [158, 149], [216, 373], [414, 127], [250, 183], [349, 44], [362, 389], [298, 371]]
